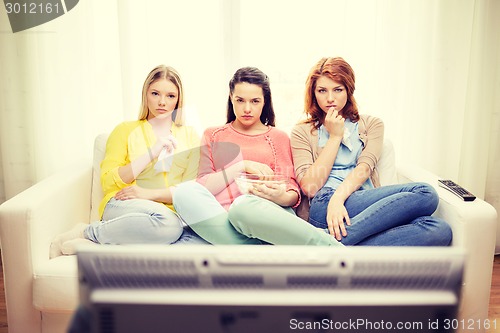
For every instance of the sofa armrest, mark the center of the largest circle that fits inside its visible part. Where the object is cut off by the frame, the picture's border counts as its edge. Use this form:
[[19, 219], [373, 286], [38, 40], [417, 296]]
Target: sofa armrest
[[28, 223], [474, 229], [46, 209], [473, 222]]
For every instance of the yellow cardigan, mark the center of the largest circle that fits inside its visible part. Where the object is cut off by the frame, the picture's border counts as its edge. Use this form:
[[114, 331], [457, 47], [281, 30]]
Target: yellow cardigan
[[132, 139]]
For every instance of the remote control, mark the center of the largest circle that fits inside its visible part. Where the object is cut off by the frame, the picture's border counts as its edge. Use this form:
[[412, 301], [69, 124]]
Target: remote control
[[456, 189]]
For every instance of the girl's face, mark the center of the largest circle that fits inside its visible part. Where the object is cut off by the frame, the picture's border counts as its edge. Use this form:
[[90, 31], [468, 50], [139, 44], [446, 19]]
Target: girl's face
[[330, 94], [248, 102], [162, 97]]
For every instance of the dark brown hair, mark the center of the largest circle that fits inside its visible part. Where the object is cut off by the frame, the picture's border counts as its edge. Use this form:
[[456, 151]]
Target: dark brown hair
[[255, 76]]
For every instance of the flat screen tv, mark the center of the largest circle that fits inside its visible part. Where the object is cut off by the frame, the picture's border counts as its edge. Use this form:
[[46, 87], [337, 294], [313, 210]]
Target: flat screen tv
[[249, 288]]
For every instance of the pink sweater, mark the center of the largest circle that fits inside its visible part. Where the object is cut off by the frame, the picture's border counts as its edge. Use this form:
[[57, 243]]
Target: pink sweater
[[225, 146]]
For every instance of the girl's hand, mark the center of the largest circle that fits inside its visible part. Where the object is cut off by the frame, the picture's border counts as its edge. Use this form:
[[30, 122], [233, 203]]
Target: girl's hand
[[271, 192], [169, 143], [337, 217], [257, 168], [334, 123], [132, 192]]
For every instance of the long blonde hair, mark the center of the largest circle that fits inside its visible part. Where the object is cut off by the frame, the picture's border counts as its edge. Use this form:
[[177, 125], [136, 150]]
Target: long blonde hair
[[168, 73]]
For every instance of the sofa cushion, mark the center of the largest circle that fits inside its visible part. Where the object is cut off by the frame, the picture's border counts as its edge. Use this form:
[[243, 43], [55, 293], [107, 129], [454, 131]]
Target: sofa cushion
[[55, 285]]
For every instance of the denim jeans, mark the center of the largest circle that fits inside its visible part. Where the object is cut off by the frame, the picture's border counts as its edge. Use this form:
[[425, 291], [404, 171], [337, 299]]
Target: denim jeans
[[398, 215], [135, 221], [250, 220]]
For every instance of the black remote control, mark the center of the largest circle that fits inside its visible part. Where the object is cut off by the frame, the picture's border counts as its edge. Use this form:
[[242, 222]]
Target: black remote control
[[456, 189]]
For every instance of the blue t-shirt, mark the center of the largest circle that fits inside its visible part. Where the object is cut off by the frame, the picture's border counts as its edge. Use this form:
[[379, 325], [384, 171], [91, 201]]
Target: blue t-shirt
[[347, 156]]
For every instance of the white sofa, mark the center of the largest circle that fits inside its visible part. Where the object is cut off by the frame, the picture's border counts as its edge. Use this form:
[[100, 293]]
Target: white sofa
[[42, 294]]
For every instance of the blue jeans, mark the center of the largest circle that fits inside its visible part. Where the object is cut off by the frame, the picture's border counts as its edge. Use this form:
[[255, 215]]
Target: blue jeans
[[250, 220], [135, 221], [397, 215]]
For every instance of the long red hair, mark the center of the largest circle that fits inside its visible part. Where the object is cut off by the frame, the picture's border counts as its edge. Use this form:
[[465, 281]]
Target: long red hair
[[338, 70]]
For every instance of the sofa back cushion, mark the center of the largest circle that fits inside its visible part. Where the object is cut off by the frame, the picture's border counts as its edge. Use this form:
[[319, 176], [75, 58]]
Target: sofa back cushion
[[386, 165], [97, 195]]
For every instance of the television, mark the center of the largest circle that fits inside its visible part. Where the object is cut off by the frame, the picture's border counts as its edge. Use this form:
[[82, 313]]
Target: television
[[251, 288]]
